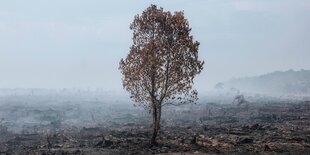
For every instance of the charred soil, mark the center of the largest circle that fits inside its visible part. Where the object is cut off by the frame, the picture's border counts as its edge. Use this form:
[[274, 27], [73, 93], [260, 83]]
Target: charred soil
[[271, 128]]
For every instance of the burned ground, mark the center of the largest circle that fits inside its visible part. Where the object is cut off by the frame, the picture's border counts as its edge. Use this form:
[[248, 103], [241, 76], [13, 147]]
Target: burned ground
[[205, 128]]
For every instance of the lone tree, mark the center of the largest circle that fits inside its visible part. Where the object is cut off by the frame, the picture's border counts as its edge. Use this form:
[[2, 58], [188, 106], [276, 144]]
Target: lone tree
[[162, 62]]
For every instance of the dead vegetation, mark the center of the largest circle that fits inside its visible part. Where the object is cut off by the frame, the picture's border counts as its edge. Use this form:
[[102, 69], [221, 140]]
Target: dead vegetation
[[270, 128]]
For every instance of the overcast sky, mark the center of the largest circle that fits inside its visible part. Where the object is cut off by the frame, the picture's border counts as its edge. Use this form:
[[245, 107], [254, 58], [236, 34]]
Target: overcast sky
[[78, 43]]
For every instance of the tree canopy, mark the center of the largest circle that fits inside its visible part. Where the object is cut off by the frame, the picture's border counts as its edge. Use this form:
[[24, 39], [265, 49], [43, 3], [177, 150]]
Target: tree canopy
[[163, 59]]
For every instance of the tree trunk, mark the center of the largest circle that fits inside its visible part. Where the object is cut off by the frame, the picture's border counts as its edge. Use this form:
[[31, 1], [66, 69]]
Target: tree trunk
[[159, 116], [154, 125], [156, 122]]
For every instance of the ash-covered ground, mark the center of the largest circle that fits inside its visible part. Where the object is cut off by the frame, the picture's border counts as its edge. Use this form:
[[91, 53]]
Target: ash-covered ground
[[90, 123]]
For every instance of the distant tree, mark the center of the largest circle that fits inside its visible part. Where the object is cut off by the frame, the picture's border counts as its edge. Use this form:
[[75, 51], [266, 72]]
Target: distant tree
[[162, 62], [239, 100]]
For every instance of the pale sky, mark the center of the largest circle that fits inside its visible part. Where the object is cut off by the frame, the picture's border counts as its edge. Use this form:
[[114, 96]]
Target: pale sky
[[78, 43]]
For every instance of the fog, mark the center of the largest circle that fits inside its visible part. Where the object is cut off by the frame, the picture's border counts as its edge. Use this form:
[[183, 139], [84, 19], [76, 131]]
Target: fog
[[58, 55]]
